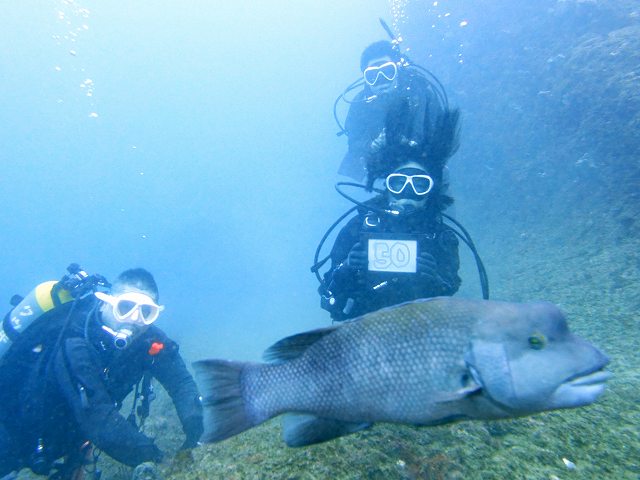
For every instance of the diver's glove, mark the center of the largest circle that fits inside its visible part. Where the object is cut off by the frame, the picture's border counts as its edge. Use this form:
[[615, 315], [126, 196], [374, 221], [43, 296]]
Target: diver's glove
[[357, 258], [193, 429], [379, 142], [348, 274], [146, 471], [154, 454], [427, 267]]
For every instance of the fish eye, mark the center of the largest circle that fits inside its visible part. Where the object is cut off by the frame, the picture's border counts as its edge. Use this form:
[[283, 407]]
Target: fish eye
[[537, 341]]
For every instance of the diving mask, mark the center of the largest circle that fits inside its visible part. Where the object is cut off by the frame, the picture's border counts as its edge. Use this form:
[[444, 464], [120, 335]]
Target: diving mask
[[132, 307], [387, 70], [421, 184]]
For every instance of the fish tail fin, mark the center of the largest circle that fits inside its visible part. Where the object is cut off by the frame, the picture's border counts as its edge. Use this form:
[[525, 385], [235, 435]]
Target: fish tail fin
[[226, 411]]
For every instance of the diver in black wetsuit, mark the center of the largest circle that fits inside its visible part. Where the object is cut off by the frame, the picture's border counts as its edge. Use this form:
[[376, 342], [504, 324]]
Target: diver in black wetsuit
[[388, 80], [397, 248], [403, 223], [62, 382]]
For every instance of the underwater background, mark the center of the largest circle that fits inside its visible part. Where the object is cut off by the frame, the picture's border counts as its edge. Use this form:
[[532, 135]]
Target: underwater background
[[196, 139]]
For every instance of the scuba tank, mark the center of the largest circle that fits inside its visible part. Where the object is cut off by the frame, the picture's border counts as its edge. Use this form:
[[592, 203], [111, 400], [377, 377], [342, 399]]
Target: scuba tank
[[44, 298], [39, 301], [19, 321]]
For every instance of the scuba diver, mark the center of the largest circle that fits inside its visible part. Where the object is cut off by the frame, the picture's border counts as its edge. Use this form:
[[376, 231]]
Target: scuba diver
[[398, 247], [394, 250], [387, 79], [65, 374]]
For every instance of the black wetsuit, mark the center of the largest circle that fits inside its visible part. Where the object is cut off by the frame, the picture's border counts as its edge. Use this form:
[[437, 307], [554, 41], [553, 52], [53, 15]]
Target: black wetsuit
[[366, 120], [61, 391], [356, 292]]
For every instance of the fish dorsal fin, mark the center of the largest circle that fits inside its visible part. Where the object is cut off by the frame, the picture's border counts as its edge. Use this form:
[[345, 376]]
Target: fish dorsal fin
[[292, 347]]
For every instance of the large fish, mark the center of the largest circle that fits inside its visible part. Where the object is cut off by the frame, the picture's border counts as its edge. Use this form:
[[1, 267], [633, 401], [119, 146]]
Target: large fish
[[425, 362]]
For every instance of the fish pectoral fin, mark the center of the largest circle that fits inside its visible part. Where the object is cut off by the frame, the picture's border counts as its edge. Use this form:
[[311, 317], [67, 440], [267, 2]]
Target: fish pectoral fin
[[299, 430], [469, 390], [459, 394]]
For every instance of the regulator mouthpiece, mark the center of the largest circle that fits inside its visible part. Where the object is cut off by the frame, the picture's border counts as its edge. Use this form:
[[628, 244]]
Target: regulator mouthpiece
[[121, 338]]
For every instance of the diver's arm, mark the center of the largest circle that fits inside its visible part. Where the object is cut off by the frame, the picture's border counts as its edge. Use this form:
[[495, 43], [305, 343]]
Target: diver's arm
[[437, 268], [170, 370], [358, 126], [425, 110], [359, 144], [448, 262], [341, 284], [343, 280], [80, 380]]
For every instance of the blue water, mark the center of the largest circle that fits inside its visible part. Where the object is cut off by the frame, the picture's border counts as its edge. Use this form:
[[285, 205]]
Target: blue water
[[205, 153], [196, 139]]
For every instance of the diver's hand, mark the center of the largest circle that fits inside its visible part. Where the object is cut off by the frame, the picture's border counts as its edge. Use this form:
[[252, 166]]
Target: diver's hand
[[152, 453], [349, 273], [188, 444], [146, 471], [357, 258], [379, 142], [427, 266], [193, 429]]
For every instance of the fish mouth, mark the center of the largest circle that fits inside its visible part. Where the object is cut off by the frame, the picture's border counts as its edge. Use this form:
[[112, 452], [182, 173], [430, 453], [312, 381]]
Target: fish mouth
[[599, 377], [580, 390]]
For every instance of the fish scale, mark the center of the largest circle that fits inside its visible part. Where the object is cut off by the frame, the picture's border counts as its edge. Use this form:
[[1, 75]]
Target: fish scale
[[406, 349]]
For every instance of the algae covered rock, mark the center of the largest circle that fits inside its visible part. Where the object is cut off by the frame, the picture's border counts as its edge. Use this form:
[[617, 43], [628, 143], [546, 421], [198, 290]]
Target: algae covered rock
[[599, 88]]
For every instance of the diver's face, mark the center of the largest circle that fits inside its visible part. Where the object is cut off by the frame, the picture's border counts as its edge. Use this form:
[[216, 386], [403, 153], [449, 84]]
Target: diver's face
[[409, 188], [381, 75], [127, 312]]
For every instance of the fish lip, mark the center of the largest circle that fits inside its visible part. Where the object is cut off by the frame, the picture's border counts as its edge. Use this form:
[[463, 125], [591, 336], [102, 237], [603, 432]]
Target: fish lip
[[580, 390], [596, 377]]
